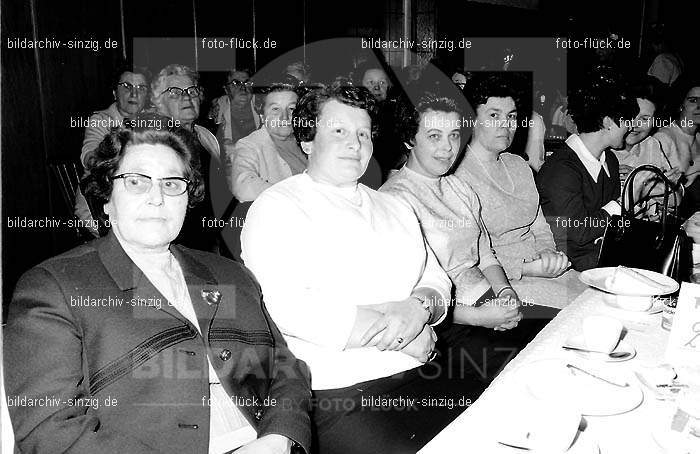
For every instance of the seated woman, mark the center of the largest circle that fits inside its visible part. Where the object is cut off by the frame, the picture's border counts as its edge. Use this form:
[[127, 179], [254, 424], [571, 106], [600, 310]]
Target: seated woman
[[641, 148], [130, 91], [176, 94], [520, 236], [681, 139], [450, 213], [579, 186], [348, 278], [270, 154], [142, 346], [234, 113]]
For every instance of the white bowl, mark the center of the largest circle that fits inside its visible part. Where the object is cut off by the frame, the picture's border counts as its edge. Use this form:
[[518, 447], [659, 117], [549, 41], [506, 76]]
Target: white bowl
[[630, 303]]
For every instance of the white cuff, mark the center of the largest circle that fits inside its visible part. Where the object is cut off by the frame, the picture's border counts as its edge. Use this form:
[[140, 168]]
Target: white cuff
[[613, 208]]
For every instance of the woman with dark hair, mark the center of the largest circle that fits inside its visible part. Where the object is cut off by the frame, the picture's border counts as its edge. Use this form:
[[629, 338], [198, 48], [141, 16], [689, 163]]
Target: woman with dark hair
[[355, 290], [521, 239], [96, 331], [233, 112], [642, 148], [450, 213], [681, 139], [579, 186], [269, 154]]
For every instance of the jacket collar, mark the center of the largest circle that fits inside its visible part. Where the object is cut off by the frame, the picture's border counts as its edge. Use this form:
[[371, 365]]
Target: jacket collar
[[201, 284]]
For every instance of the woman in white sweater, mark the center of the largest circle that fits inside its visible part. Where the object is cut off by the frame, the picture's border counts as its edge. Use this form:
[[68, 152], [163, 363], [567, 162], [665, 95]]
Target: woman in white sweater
[[348, 278]]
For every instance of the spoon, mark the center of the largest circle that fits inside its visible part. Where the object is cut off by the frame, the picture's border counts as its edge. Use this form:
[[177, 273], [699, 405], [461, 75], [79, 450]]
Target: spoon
[[615, 355]]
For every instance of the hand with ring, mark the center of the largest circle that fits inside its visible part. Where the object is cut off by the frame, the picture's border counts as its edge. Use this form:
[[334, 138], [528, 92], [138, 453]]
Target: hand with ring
[[402, 320], [423, 346]]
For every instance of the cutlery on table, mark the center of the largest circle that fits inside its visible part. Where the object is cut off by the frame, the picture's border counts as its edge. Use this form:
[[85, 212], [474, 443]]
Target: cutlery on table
[[616, 355], [575, 368]]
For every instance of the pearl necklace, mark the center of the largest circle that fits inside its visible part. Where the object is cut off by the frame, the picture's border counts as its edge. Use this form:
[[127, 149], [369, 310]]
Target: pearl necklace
[[505, 169]]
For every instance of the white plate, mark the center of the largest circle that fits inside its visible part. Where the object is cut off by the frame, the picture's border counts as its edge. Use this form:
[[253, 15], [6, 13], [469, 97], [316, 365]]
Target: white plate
[[596, 278], [583, 444], [623, 347], [551, 380], [656, 307]]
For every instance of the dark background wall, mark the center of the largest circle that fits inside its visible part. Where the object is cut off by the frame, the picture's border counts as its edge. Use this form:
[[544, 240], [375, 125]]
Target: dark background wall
[[43, 89]]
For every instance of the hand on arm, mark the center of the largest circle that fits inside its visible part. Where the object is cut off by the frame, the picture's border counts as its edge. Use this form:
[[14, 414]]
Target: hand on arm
[[400, 320], [548, 264], [422, 346]]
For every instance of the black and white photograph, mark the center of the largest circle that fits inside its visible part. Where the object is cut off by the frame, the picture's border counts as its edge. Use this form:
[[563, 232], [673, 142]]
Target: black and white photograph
[[359, 227]]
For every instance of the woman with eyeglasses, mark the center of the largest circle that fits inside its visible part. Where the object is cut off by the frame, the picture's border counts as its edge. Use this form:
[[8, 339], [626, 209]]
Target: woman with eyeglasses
[[133, 344], [176, 94], [234, 112], [270, 154], [130, 90]]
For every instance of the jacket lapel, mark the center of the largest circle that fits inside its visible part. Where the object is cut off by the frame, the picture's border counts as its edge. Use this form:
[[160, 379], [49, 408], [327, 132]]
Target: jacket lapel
[[131, 280], [202, 286]]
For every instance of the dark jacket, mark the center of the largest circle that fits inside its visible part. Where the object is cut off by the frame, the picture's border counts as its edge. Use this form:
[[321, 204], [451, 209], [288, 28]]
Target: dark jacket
[[572, 203], [131, 378]]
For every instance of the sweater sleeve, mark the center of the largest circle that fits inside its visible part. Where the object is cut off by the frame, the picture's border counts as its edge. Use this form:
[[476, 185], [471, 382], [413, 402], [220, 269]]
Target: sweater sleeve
[[244, 179], [561, 195], [94, 135]]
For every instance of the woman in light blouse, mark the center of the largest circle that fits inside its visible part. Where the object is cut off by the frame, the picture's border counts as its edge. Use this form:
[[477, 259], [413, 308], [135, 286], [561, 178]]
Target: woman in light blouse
[[450, 213], [355, 290], [520, 236]]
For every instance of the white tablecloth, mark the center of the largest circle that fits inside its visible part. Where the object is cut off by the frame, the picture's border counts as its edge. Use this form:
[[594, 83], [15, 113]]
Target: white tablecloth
[[476, 429]]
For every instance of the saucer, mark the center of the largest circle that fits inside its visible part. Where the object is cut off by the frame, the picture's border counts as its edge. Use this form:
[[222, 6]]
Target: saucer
[[550, 380], [598, 277], [657, 305], [624, 346]]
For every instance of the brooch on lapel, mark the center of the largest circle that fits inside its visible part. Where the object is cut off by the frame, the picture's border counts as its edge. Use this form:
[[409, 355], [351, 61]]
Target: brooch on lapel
[[211, 296]]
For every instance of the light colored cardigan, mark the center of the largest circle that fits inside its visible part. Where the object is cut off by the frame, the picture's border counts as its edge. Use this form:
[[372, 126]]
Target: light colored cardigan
[[255, 165]]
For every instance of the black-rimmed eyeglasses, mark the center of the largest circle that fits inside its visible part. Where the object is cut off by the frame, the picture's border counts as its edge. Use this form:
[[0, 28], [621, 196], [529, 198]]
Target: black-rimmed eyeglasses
[[177, 92], [137, 183], [141, 89], [240, 84]]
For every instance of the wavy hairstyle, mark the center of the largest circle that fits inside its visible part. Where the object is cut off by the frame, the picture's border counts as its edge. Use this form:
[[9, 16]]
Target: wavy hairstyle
[[309, 107], [97, 183]]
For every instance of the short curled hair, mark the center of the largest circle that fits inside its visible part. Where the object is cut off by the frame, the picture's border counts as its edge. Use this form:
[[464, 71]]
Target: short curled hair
[[159, 84], [601, 95], [262, 92], [97, 183], [485, 85], [309, 107], [409, 113]]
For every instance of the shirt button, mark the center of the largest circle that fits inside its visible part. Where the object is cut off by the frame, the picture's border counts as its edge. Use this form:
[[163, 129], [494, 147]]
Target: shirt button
[[225, 354], [258, 414]]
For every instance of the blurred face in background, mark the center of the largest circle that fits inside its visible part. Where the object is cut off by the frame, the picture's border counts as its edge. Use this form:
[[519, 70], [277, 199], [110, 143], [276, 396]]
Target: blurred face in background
[[460, 80], [643, 122], [377, 82], [437, 143], [238, 88], [277, 113], [131, 93], [690, 110], [183, 106]]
